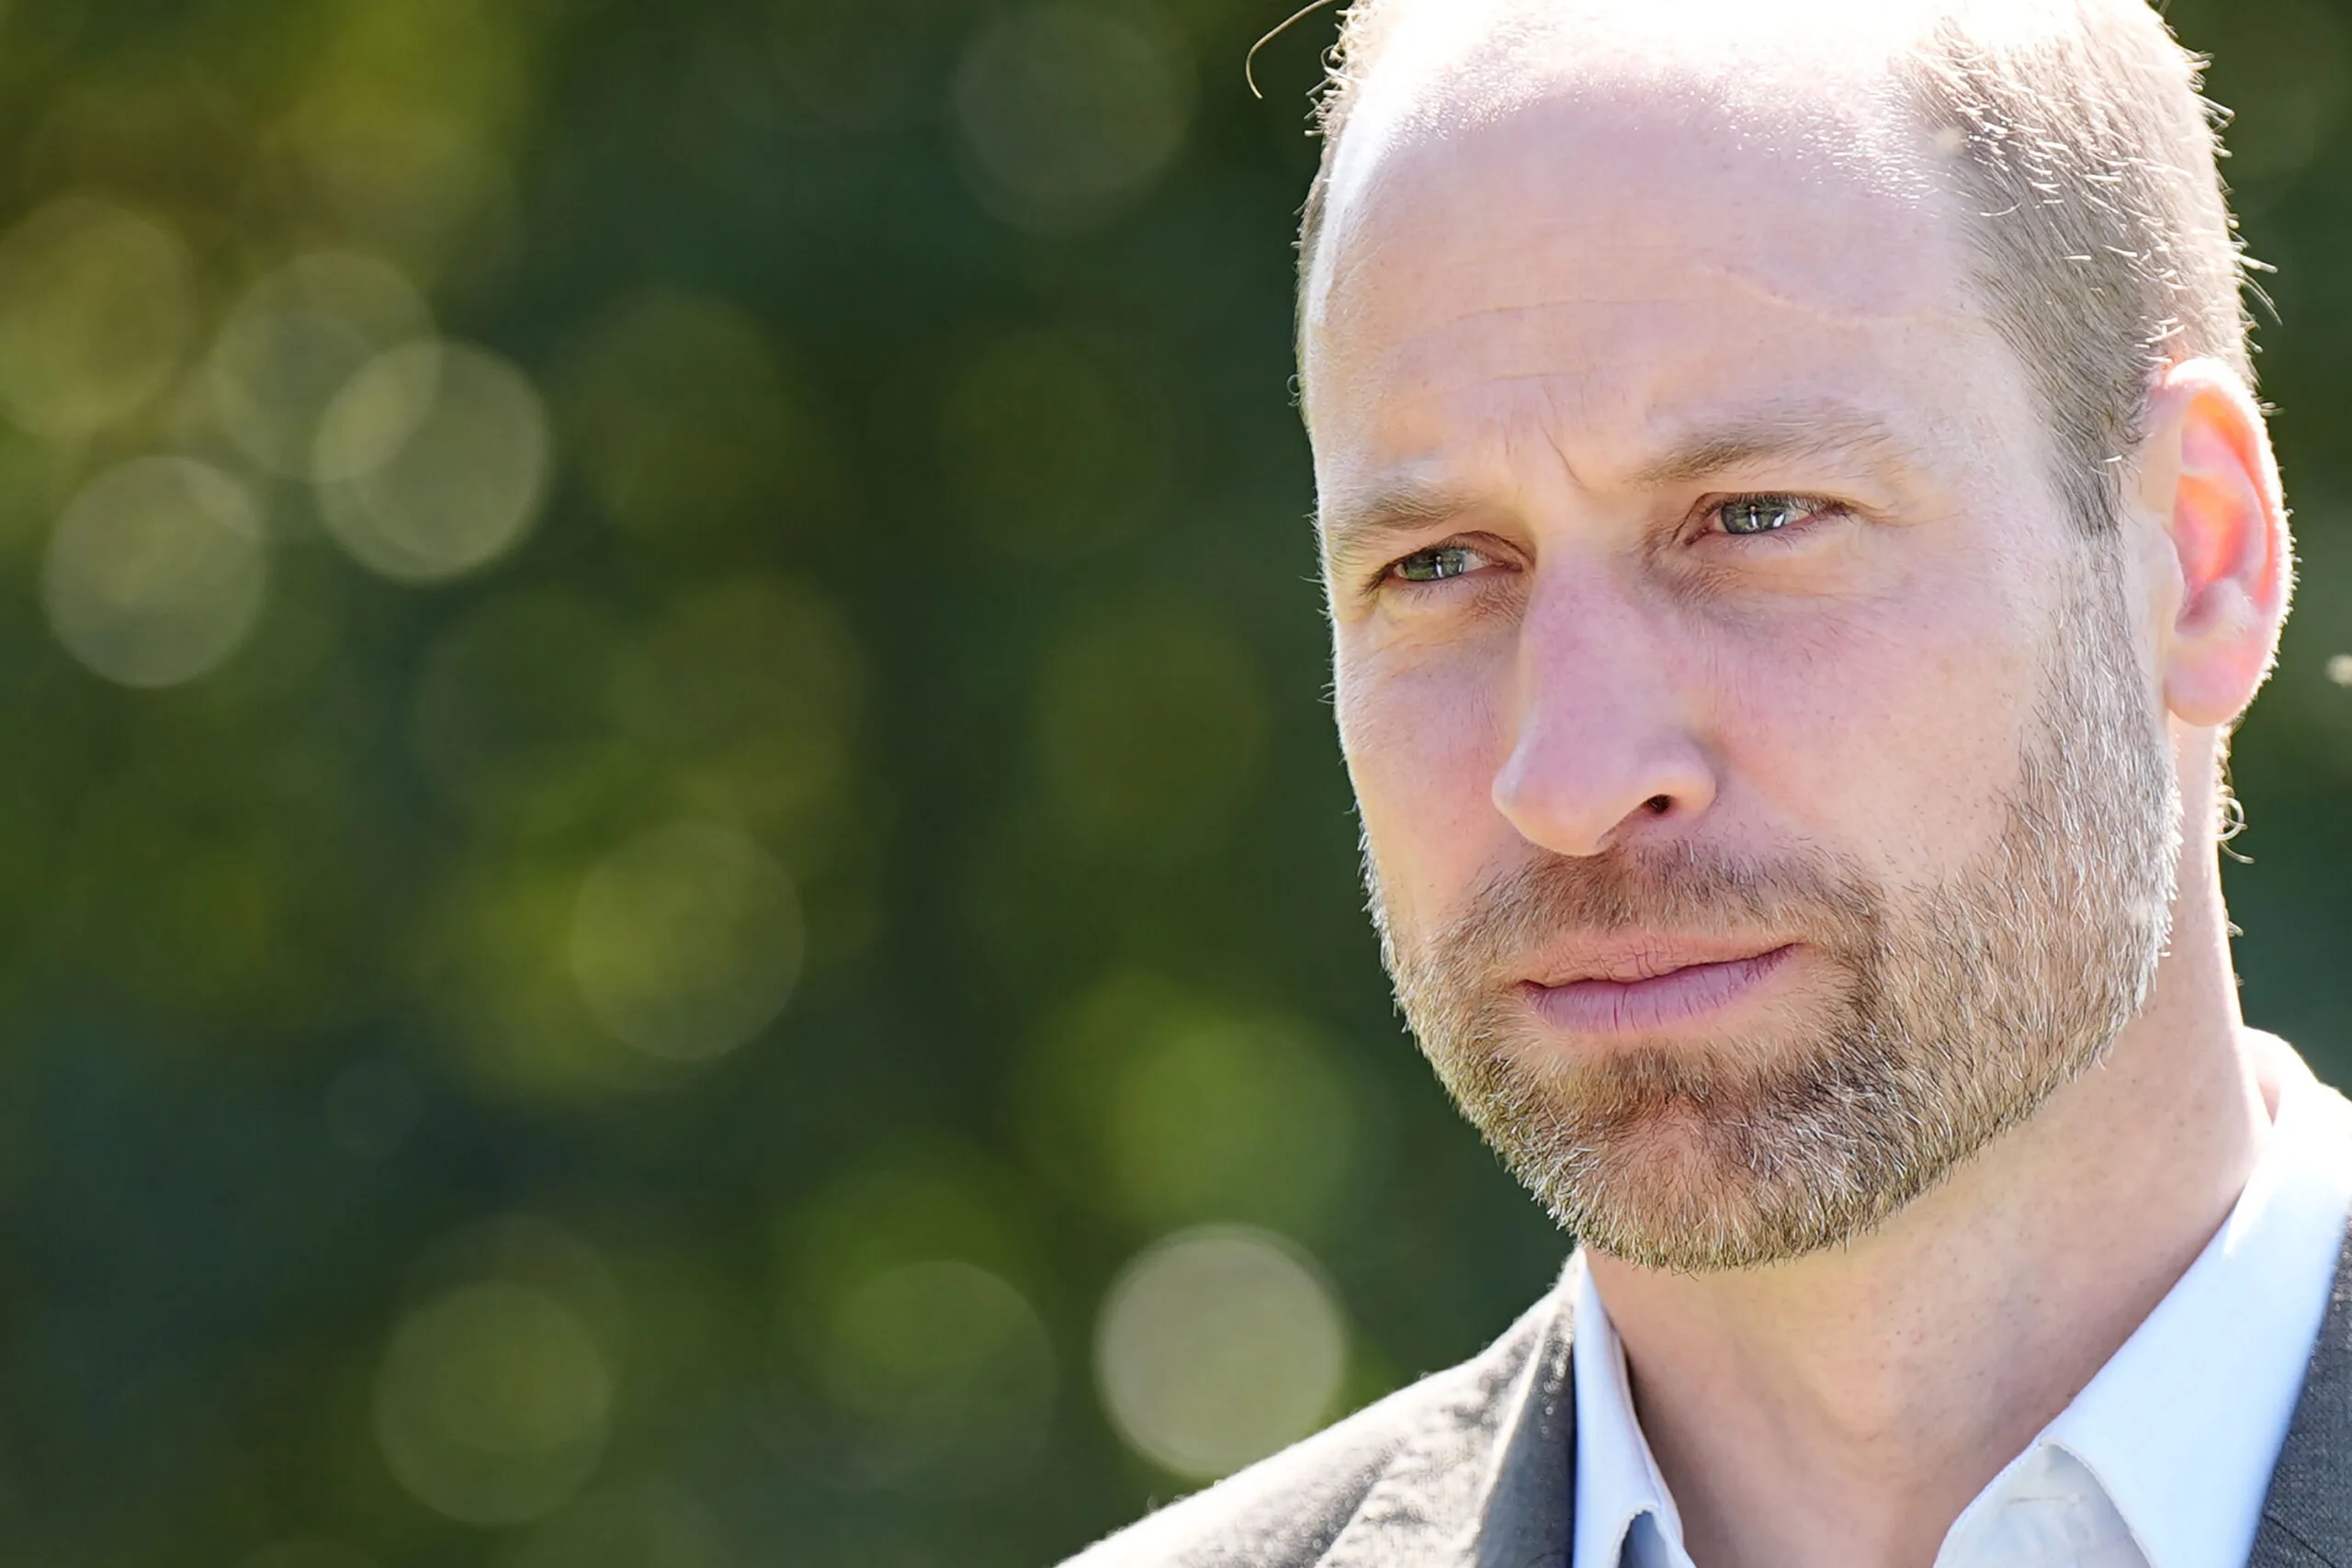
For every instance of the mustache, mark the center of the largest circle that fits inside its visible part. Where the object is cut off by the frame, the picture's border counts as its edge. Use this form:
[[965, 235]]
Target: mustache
[[1681, 888]]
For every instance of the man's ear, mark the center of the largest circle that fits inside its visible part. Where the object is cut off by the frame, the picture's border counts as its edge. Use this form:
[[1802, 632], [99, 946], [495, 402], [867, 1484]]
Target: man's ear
[[2207, 476]]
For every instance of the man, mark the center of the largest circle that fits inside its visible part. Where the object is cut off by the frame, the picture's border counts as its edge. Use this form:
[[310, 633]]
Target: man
[[1798, 533]]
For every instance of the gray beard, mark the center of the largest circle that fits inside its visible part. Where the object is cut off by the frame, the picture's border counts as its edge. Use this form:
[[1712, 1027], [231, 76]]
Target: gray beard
[[1953, 1015]]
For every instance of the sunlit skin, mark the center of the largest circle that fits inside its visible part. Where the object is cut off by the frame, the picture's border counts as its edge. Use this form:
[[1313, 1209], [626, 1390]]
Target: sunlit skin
[[1672, 486]]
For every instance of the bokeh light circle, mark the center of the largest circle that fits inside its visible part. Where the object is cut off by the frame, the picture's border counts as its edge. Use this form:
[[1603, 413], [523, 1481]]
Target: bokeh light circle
[[295, 339], [96, 309], [1218, 1346], [1235, 1118], [492, 1403], [687, 941], [156, 571], [433, 459], [1068, 110]]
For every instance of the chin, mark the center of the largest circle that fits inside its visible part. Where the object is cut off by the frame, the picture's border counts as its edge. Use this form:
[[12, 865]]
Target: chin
[[1728, 1150]]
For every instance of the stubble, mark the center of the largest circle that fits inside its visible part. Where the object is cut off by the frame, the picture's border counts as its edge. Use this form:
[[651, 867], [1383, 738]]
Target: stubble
[[1940, 1019]]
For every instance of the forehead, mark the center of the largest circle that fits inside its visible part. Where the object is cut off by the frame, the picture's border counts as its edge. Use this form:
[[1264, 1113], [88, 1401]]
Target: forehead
[[1611, 251]]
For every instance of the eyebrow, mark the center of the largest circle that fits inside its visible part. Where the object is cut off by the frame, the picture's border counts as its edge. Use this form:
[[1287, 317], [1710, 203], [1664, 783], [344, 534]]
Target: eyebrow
[[1358, 526], [1826, 430]]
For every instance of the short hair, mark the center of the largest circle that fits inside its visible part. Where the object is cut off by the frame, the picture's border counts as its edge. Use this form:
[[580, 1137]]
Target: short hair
[[2103, 247]]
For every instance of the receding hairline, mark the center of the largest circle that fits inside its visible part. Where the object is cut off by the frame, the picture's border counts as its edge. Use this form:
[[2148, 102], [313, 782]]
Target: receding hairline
[[1541, 42], [1463, 78], [2072, 133]]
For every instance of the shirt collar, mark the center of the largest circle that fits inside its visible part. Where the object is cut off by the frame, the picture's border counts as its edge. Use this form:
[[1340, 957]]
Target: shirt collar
[[1616, 1478], [2182, 1427]]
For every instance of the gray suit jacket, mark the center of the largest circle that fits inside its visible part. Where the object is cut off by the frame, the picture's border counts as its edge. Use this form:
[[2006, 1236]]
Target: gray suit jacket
[[1472, 1468]]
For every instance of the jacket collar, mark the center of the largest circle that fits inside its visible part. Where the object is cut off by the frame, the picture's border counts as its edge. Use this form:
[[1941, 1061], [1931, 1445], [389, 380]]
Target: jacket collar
[[2307, 1517], [1491, 1483]]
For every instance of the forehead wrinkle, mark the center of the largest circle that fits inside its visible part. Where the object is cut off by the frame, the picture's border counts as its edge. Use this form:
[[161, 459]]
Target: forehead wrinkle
[[1808, 432], [1819, 310], [1653, 260], [1580, 381]]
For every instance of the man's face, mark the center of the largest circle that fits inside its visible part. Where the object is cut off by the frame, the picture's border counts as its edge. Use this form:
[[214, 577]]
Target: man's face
[[1763, 790]]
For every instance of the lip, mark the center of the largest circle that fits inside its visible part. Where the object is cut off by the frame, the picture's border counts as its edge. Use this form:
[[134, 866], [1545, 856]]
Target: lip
[[1653, 994]]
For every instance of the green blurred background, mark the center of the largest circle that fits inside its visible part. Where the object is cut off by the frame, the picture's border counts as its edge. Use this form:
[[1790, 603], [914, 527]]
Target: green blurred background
[[675, 888]]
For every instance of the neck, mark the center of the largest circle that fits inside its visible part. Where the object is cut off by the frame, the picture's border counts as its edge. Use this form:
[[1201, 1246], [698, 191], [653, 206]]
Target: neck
[[1846, 1406]]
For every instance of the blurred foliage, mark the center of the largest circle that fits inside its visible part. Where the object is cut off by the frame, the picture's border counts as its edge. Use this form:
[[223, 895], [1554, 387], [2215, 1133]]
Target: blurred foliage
[[674, 887]]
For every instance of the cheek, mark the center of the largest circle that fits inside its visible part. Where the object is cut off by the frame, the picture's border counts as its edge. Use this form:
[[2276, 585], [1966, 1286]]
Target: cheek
[[1893, 732], [1422, 748]]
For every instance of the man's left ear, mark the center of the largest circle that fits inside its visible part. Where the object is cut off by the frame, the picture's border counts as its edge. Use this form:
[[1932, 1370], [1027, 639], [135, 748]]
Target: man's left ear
[[2207, 475]]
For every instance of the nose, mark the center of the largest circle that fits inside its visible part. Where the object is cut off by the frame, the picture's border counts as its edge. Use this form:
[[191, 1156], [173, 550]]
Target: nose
[[1602, 751]]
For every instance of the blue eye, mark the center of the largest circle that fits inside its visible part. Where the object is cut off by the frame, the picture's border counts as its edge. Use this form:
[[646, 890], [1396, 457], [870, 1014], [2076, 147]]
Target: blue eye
[[1751, 515], [1437, 565]]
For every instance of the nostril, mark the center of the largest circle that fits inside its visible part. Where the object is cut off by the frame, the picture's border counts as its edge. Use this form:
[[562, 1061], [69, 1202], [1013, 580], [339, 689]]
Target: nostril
[[1657, 805]]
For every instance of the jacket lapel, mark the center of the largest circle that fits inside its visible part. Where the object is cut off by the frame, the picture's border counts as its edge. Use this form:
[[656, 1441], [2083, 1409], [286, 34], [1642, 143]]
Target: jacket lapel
[[1491, 1485], [2307, 1517]]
